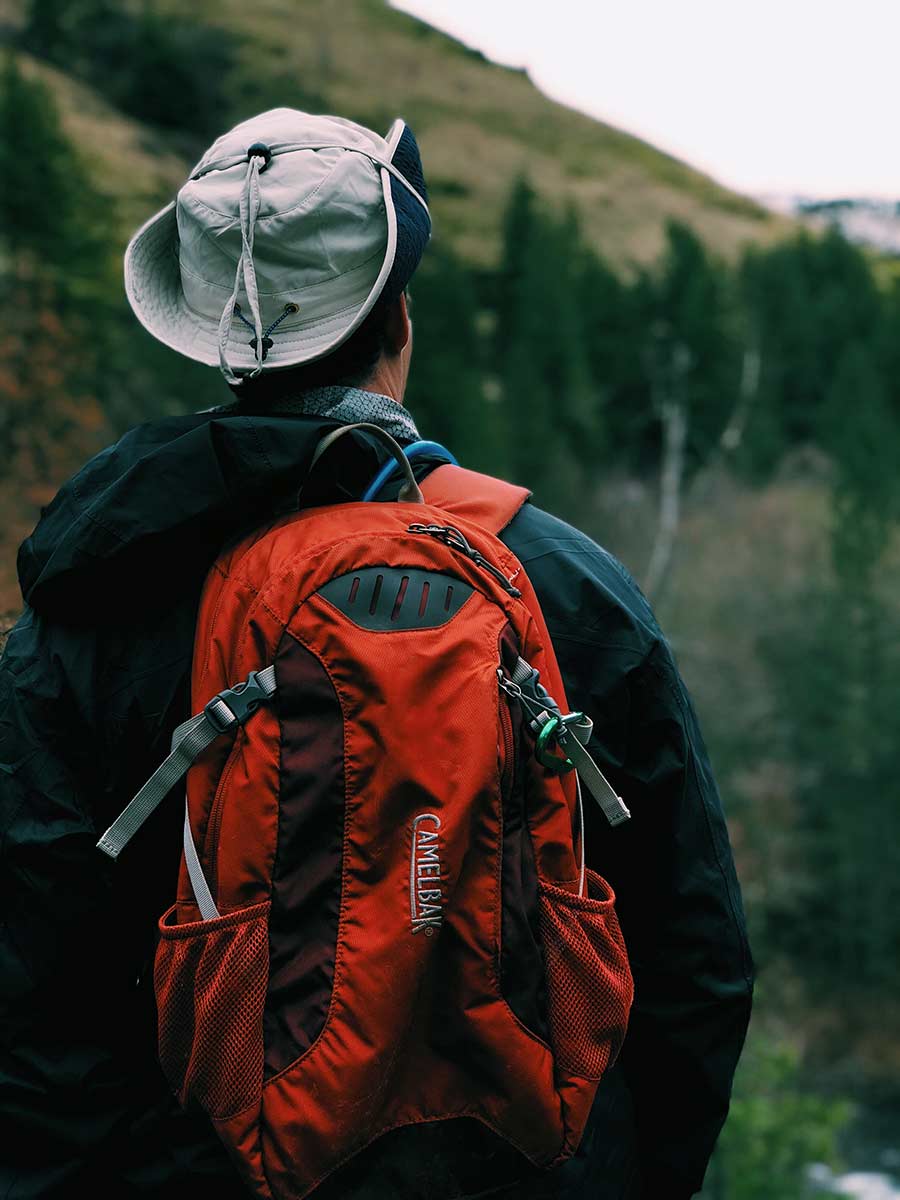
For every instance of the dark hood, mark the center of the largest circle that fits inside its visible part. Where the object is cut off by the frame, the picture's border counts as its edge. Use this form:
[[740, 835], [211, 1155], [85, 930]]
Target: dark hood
[[144, 519]]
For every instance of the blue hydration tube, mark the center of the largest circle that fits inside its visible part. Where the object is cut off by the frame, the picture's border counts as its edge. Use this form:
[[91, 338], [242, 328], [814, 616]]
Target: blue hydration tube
[[415, 450]]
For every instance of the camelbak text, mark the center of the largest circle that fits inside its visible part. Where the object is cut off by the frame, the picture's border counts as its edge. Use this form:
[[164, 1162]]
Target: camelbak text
[[425, 898]]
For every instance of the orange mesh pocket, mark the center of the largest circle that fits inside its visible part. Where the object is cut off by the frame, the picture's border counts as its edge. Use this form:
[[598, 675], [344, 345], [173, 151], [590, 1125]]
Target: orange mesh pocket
[[211, 979], [589, 984]]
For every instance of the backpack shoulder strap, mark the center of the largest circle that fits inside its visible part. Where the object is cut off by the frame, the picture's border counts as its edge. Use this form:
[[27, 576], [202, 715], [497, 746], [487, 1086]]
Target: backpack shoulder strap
[[490, 503]]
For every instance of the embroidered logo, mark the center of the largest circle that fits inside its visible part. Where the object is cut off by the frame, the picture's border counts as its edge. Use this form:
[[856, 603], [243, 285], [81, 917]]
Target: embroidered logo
[[425, 898]]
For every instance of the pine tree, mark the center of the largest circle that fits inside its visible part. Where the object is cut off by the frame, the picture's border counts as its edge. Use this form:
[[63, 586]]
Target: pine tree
[[837, 678], [446, 384], [49, 216], [550, 404], [53, 264], [612, 334], [46, 31], [520, 219], [808, 298], [690, 356]]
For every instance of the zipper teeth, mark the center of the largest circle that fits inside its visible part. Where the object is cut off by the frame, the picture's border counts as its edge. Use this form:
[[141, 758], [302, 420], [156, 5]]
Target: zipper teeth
[[509, 748], [470, 552]]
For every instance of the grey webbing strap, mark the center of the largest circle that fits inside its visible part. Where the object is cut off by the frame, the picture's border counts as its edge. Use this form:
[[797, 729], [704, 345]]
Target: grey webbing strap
[[521, 671], [595, 781], [221, 715], [581, 871], [202, 894], [410, 490], [188, 743]]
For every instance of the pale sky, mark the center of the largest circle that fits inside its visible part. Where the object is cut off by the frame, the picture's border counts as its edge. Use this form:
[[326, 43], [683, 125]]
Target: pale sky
[[768, 96]]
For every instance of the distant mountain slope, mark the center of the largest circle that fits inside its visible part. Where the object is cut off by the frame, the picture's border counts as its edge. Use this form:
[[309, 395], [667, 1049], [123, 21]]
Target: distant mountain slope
[[128, 162], [479, 125], [868, 222]]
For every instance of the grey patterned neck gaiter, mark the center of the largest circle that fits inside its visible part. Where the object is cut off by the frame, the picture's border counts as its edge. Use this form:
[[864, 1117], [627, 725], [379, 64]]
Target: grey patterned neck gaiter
[[350, 405]]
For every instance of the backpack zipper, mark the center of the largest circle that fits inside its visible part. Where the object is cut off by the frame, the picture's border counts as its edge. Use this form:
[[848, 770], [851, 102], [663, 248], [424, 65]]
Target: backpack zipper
[[508, 775], [451, 536]]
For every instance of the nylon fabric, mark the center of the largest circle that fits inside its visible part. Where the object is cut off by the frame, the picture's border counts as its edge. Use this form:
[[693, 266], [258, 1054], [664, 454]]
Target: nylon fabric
[[417, 1027]]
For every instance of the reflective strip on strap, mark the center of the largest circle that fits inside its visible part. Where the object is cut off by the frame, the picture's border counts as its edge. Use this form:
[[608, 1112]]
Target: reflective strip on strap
[[202, 894], [581, 871], [188, 743]]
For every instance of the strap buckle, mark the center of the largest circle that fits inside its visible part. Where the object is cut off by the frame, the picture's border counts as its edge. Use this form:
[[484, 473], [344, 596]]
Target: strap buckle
[[234, 705]]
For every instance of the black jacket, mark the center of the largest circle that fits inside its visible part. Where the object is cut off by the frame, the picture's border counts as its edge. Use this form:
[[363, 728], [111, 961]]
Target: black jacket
[[93, 680]]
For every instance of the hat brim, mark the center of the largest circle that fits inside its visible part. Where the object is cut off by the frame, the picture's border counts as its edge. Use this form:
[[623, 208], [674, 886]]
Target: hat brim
[[154, 290]]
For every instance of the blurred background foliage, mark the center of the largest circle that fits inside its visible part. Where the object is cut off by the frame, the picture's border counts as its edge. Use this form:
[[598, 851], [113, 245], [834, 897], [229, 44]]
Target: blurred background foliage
[[710, 391]]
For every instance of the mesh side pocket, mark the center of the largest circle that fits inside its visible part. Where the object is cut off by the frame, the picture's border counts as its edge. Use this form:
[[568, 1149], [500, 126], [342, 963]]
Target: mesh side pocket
[[589, 984], [210, 979]]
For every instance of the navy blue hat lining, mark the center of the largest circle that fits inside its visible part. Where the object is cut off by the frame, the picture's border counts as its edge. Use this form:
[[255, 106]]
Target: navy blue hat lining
[[413, 222]]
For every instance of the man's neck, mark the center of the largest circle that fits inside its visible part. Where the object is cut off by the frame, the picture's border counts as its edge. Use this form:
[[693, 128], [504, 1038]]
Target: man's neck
[[388, 379]]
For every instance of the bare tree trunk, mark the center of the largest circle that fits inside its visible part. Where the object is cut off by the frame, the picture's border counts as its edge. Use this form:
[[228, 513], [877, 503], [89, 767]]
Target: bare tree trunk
[[670, 386], [674, 418], [733, 433], [736, 426]]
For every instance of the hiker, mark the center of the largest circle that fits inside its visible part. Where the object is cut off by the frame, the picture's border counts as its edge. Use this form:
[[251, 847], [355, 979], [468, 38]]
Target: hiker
[[285, 262]]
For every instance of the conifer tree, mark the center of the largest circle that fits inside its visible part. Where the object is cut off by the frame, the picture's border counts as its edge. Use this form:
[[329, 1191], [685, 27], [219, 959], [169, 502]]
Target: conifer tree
[[540, 353], [518, 235], [54, 262], [48, 216], [446, 384], [837, 679], [809, 299], [691, 363], [612, 333], [45, 32]]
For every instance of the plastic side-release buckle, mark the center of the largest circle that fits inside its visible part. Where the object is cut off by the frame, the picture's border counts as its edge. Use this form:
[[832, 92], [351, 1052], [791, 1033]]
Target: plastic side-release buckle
[[234, 705]]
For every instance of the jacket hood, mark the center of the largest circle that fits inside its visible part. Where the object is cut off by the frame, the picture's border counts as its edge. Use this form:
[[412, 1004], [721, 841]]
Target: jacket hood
[[145, 518]]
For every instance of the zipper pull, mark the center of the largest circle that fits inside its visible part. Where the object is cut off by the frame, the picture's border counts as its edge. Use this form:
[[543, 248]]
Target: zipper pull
[[452, 537]]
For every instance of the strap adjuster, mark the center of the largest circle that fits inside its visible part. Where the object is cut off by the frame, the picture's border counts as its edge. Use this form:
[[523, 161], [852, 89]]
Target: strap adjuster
[[234, 705]]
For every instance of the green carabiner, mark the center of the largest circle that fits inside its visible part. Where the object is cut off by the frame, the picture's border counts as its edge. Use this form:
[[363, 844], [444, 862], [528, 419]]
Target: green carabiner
[[559, 766]]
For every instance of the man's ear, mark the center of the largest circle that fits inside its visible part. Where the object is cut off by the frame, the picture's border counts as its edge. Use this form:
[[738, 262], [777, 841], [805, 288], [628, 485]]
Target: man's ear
[[397, 328]]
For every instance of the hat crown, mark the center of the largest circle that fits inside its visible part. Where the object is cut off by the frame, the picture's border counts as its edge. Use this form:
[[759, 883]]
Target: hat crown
[[321, 231], [300, 237], [281, 127]]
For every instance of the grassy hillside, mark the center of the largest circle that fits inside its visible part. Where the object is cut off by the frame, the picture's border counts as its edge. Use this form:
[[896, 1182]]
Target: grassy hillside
[[479, 125], [128, 163]]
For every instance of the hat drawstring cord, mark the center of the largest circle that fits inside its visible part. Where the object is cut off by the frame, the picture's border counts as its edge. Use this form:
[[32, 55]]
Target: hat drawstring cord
[[246, 270], [289, 310]]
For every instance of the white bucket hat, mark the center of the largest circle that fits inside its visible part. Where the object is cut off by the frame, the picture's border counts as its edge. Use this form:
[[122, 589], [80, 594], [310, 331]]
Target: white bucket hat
[[286, 226]]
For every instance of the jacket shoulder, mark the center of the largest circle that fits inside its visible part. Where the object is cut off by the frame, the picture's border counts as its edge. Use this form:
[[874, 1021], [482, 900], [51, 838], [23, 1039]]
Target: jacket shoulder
[[584, 590]]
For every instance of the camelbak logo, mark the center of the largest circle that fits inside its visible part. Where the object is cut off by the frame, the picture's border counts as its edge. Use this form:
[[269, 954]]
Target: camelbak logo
[[425, 899]]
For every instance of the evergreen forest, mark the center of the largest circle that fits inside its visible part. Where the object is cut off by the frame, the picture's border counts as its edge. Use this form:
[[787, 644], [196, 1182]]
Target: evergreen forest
[[724, 416]]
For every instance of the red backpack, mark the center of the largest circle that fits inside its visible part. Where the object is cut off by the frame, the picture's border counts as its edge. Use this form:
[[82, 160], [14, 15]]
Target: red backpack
[[383, 914]]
